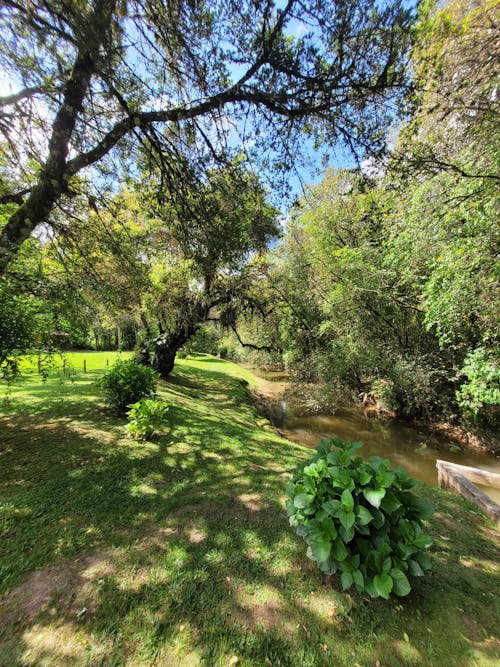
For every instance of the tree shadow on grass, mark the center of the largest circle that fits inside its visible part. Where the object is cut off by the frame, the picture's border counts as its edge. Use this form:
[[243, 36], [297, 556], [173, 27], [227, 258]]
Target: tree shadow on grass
[[180, 549]]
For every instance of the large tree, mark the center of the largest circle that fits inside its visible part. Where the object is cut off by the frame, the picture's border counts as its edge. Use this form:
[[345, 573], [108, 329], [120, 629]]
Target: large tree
[[200, 252], [92, 81]]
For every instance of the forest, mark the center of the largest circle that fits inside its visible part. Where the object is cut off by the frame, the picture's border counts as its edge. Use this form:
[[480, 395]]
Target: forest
[[199, 191]]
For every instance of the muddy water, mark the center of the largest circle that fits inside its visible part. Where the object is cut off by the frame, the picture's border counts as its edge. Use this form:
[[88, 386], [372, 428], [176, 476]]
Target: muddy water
[[397, 440]]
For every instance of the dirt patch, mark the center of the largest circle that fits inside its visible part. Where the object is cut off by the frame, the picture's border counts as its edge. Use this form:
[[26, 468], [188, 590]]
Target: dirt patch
[[253, 502], [252, 613], [66, 581], [472, 629], [196, 535], [28, 599]]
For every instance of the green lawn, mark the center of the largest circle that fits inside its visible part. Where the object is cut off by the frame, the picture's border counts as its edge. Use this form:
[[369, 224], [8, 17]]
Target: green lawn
[[71, 362], [178, 551]]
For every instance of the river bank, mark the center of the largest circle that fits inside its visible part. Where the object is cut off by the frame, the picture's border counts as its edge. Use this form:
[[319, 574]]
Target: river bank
[[416, 445]]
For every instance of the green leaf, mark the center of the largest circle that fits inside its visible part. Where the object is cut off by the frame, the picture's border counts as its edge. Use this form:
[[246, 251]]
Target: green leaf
[[357, 575], [425, 508], [324, 448], [415, 569], [339, 551], [347, 500], [422, 541], [423, 560], [378, 518], [320, 546], [331, 506], [302, 500], [374, 496], [406, 549], [352, 447], [346, 518], [364, 476], [363, 515], [370, 588], [346, 534], [333, 458], [383, 585], [328, 566], [387, 564], [347, 580], [401, 585], [385, 479], [390, 502], [376, 463], [320, 536]]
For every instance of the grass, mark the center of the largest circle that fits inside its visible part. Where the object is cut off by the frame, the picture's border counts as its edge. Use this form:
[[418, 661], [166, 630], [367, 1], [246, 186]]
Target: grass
[[178, 552]]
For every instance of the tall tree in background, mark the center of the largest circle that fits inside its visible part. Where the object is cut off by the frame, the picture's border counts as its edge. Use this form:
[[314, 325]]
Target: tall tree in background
[[93, 81]]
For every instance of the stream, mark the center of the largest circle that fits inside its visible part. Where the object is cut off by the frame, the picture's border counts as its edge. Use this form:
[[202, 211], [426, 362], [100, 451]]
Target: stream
[[394, 439]]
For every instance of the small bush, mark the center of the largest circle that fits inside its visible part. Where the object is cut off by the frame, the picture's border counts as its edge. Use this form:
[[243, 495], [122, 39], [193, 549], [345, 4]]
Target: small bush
[[126, 382], [360, 519], [146, 417]]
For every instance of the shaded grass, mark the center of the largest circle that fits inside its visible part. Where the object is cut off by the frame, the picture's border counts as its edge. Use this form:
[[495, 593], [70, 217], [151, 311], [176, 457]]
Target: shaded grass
[[177, 551]]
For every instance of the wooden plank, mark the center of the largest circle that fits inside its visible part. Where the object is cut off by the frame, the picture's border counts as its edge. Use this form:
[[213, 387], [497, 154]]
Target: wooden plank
[[475, 475], [454, 476]]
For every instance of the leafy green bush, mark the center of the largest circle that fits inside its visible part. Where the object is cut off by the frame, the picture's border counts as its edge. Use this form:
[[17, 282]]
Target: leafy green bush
[[126, 382], [145, 417], [481, 392], [361, 519]]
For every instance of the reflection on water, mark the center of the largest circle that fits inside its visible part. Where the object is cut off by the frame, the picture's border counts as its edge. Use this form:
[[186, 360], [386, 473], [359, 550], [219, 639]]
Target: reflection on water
[[401, 443], [395, 440]]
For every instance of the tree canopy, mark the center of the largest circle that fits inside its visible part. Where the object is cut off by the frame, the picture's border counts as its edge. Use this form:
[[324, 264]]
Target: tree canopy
[[184, 80]]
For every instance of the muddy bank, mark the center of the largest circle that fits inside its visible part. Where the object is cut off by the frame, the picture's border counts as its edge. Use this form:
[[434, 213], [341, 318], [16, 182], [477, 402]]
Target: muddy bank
[[478, 441], [272, 398]]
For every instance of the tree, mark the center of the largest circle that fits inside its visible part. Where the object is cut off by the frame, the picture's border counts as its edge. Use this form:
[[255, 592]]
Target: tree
[[200, 251], [93, 81], [455, 108], [393, 280]]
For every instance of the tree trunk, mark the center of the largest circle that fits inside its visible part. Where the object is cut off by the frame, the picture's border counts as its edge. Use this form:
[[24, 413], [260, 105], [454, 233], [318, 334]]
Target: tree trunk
[[164, 359], [166, 347], [54, 174]]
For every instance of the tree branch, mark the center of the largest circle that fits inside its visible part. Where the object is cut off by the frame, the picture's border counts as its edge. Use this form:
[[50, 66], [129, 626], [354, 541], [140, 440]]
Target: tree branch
[[259, 348]]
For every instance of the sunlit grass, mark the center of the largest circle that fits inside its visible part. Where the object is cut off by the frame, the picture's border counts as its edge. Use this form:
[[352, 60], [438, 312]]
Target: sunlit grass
[[178, 551], [71, 362]]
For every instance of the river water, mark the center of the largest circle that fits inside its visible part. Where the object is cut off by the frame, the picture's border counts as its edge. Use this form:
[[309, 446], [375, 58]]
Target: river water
[[394, 439]]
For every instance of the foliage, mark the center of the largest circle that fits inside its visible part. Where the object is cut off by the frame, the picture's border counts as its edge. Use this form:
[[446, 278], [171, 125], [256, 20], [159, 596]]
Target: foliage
[[145, 417], [201, 257], [83, 69], [387, 278], [361, 519], [205, 340], [127, 382], [480, 394], [17, 323]]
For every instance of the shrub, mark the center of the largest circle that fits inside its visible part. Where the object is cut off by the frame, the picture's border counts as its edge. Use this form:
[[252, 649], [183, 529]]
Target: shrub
[[145, 417], [479, 397], [361, 519], [126, 382]]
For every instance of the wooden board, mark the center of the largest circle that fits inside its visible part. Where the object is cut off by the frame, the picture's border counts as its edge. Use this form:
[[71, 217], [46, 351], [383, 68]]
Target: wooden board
[[462, 478]]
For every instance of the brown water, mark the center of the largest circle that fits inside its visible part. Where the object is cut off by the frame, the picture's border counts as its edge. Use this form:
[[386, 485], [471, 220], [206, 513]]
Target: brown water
[[397, 440]]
